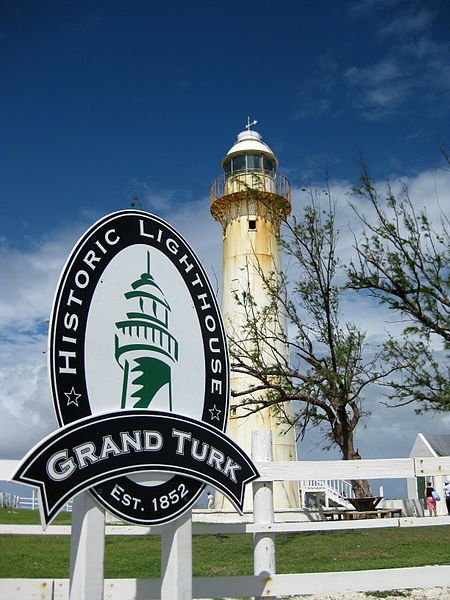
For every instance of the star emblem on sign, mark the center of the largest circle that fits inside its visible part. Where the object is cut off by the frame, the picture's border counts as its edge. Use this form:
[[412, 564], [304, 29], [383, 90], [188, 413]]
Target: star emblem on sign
[[215, 412], [72, 397]]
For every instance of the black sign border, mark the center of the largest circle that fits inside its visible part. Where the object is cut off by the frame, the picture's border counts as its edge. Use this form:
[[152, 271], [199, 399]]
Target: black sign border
[[215, 411], [34, 467]]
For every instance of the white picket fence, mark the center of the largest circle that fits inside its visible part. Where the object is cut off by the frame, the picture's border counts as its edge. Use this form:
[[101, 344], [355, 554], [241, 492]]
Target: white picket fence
[[8, 500], [176, 583]]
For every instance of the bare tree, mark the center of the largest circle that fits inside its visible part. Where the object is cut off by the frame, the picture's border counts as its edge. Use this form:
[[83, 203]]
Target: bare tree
[[325, 370], [403, 260]]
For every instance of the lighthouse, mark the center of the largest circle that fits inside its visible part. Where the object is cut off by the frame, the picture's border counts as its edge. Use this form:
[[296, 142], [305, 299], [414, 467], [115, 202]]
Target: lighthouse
[[144, 346], [250, 199]]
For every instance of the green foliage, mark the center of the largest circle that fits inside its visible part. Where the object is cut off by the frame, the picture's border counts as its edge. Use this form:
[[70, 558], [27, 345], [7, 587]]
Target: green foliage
[[403, 260], [421, 378]]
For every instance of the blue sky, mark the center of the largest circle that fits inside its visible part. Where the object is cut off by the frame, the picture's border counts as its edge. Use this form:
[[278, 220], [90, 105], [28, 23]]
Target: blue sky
[[101, 98], [104, 100]]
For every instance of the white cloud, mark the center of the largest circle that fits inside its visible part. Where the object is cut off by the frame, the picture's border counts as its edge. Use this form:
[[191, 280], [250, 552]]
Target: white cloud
[[24, 299], [411, 20], [31, 276], [380, 73], [414, 63], [27, 413], [379, 89], [363, 9]]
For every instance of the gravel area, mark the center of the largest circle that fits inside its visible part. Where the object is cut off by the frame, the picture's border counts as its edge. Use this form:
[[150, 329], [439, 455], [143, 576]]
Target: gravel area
[[438, 593]]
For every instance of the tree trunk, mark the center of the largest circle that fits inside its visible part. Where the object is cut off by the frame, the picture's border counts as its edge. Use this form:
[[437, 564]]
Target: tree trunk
[[360, 487]]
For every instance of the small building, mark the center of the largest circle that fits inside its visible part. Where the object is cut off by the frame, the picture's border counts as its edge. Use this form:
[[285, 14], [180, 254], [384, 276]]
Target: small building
[[432, 446]]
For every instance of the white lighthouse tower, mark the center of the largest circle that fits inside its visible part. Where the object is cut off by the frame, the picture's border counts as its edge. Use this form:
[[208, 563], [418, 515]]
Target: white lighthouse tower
[[249, 200]]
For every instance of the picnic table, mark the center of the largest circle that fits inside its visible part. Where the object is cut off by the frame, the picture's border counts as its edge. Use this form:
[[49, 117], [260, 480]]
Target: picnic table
[[377, 513], [349, 514]]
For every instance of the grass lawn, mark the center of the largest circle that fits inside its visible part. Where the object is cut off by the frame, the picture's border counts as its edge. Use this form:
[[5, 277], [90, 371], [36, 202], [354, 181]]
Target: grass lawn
[[215, 555]]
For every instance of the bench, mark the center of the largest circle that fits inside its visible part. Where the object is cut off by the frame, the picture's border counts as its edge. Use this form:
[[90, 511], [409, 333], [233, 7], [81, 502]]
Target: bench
[[380, 513], [338, 514]]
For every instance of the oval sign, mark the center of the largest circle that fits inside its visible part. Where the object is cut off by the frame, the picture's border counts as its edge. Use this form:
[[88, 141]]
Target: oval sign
[[135, 326]]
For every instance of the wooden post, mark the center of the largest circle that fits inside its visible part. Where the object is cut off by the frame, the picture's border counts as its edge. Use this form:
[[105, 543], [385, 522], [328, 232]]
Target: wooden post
[[87, 549], [176, 559], [263, 543]]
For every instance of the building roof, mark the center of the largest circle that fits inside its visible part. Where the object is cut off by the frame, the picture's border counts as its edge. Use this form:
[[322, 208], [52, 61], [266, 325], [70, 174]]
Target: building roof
[[439, 443], [431, 445]]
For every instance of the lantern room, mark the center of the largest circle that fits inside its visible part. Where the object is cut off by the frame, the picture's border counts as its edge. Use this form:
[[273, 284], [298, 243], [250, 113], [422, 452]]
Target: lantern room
[[250, 183]]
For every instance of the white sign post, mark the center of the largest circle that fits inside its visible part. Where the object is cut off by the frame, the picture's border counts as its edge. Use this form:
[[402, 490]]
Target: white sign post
[[87, 549], [264, 543], [176, 559]]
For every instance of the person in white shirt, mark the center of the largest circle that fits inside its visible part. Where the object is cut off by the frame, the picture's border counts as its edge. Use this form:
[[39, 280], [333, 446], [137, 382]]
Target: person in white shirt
[[447, 495]]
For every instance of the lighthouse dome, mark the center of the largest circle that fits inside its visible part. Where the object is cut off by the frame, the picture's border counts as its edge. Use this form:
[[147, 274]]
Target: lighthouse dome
[[249, 141], [249, 153]]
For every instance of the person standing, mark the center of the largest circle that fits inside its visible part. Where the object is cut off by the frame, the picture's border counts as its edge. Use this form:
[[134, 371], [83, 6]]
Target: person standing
[[447, 495], [430, 501]]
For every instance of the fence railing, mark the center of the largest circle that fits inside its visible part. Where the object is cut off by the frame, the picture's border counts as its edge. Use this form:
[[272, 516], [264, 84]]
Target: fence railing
[[248, 180], [265, 582], [8, 500]]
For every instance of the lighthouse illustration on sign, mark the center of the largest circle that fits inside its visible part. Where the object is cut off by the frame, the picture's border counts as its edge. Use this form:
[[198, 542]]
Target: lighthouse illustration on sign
[[144, 346], [250, 199]]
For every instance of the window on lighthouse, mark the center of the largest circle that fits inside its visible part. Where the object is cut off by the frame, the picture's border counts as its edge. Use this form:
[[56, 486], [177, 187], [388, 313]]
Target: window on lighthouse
[[249, 162], [238, 163], [254, 162], [269, 165]]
